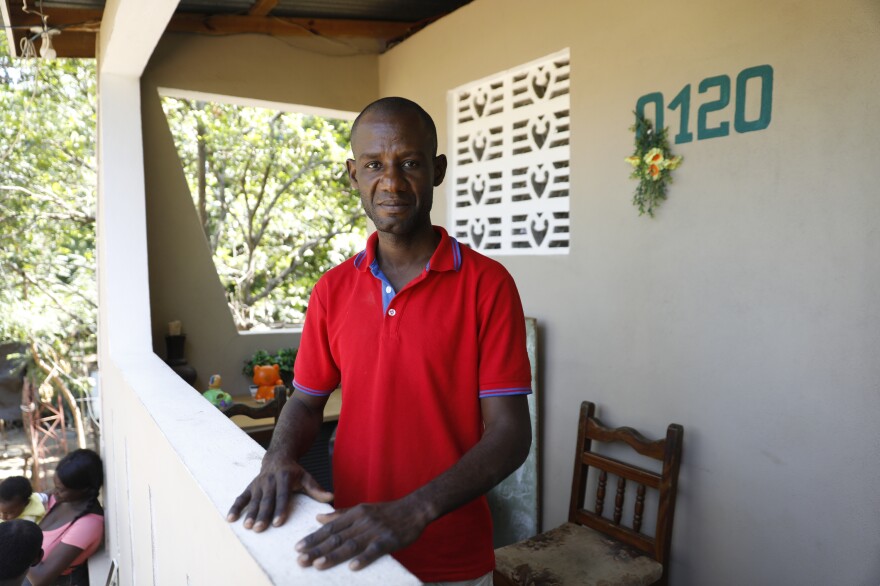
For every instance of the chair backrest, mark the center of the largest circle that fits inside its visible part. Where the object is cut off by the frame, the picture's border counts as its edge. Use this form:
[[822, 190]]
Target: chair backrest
[[667, 451], [268, 409]]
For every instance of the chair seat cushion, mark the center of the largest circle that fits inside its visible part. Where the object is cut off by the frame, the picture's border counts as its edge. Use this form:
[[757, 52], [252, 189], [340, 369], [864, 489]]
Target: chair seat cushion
[[575, 555]]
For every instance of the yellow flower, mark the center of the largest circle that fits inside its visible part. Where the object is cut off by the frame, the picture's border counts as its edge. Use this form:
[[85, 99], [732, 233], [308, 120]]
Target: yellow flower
[[654, 172], [634, 161], [673, 163], [655, 157]]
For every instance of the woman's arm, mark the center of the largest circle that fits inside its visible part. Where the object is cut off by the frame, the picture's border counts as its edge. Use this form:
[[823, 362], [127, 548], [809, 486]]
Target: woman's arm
[[47, 571]]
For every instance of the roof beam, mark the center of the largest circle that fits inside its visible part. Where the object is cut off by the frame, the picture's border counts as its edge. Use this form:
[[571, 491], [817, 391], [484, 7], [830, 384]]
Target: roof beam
[[226, 24], [72, 23], [262, 7]]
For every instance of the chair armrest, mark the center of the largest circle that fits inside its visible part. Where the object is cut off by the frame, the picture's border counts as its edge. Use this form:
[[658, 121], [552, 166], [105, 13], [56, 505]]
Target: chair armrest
[[269, 409]]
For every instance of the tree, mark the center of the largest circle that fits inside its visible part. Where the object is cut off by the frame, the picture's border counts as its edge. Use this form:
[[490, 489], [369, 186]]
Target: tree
[[273, 200], [47, 218]]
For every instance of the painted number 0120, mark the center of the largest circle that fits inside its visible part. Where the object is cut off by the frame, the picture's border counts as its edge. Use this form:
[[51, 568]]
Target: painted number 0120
[[718, 88]]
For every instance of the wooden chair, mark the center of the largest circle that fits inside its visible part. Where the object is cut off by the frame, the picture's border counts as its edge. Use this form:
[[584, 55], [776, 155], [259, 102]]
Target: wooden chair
[[591, 549], [269, 409]]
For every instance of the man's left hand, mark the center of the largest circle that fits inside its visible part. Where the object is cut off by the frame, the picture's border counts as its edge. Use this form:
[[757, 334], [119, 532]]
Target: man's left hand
[[362, 534]]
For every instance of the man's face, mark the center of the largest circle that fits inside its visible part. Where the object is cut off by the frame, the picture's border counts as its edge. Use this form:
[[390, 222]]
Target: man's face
[[11, 509], [395, 171]]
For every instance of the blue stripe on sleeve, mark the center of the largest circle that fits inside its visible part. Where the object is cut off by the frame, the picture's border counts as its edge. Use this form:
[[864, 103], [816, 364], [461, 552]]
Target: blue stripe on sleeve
[[313, 392], [505, 392]]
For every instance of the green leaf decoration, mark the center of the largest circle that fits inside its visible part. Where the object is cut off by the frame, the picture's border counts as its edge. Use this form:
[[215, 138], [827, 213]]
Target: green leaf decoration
[[652, 162]]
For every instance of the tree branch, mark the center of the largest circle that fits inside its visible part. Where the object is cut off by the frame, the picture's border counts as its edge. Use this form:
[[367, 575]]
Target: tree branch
[[273, 282], [73, 213]]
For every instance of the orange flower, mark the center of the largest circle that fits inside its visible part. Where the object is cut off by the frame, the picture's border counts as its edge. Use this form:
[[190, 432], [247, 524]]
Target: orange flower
[[654, 157], [654, 170]]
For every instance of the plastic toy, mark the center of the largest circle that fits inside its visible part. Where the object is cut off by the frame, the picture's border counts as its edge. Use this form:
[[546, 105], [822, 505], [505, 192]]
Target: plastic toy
[[267, 377], [215, 395]]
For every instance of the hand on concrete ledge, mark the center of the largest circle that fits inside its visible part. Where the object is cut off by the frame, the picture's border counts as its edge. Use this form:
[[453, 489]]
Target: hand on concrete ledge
[[267, 497], [362, 534]]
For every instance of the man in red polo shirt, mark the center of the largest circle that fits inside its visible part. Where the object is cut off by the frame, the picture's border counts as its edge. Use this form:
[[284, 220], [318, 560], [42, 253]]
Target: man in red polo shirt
[[427, 340]]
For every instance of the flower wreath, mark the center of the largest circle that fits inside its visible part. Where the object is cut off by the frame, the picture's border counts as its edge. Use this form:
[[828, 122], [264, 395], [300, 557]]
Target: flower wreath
[[652, 163]]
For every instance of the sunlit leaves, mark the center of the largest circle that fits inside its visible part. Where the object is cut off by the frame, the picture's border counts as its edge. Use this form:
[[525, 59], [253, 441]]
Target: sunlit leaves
[[47, 208], [272, 195]]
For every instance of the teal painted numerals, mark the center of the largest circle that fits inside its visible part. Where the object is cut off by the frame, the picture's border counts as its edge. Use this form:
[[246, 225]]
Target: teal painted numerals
[[657, 99], [683, 101], [765, 73], [722, 82], [717, 90]]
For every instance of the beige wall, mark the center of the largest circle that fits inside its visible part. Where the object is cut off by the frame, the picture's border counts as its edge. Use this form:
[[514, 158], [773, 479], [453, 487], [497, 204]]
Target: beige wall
[[183, 282], [748, 309]]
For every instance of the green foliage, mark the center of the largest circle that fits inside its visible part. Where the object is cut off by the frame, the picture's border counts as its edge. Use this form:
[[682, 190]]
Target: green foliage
[[273, 199], [284, 358], [47, 216], [652, 164]]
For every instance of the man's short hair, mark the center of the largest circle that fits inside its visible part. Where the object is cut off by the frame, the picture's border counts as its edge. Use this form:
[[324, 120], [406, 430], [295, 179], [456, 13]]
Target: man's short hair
[[21, 543], [396, 105], [15, 488]]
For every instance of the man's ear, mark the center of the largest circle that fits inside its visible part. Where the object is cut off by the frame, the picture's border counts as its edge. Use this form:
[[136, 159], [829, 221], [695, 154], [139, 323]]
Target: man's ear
[[352, 172], [439, 169]]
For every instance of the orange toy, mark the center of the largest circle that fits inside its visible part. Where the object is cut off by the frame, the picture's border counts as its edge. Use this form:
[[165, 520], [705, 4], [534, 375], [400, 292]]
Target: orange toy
[[267, 377]]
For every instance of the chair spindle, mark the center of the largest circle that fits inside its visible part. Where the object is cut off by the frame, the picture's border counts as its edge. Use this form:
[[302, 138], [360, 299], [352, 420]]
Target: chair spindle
[[618, 500], [600, 492], [640, 507]]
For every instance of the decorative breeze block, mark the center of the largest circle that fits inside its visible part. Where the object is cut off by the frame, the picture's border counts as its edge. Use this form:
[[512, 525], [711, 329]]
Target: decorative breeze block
[[509, 190]]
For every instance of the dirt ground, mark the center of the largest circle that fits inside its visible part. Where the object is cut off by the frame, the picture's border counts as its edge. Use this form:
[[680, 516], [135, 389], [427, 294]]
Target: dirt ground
[[17, 459]]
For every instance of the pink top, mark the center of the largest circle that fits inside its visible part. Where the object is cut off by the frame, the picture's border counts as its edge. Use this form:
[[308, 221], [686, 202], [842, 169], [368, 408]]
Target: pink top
[[86, 533]]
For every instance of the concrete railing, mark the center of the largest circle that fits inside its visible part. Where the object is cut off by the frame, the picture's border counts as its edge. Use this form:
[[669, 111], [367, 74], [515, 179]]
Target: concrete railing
[[174, 465]]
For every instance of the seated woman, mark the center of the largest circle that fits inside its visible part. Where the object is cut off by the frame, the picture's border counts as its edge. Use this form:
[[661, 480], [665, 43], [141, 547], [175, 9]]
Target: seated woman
[[73, 528]]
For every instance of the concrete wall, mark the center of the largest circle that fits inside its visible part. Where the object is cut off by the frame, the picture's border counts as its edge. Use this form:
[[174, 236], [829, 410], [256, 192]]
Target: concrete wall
[[183, 281], [747, 310], [177, 466]]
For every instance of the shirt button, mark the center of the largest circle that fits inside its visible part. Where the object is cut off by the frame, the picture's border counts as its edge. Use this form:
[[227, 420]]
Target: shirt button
[[392, 312], [388, 289]]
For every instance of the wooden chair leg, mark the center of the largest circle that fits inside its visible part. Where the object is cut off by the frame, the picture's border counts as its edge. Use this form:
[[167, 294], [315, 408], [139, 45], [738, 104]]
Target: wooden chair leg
[[499, 579]]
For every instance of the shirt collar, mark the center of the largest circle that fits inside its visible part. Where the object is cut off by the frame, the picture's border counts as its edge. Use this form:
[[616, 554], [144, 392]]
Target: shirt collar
[[446, 257]]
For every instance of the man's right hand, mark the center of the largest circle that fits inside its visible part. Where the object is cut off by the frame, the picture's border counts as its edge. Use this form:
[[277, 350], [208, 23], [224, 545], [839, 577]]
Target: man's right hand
[[268, 495]]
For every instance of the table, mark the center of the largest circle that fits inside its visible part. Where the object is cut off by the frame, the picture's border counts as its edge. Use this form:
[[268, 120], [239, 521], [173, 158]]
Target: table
[[331, 412], [317, 460]]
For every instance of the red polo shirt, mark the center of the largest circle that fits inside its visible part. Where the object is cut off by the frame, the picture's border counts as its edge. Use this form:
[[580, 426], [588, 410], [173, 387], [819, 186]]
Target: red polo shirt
[[413, 370]]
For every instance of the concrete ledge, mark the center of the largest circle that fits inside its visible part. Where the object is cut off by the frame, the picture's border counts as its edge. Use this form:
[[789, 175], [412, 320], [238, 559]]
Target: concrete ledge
[[175, 464], [99, 568]]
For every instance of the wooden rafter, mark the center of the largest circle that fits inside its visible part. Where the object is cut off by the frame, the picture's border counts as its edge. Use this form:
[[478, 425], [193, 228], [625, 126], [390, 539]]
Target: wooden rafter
[[262, 7], [57, 17], [80, 25], [224, 24]]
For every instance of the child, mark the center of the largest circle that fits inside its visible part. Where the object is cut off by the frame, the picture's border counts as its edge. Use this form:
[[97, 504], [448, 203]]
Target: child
[[19, 501], [20, 542]]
